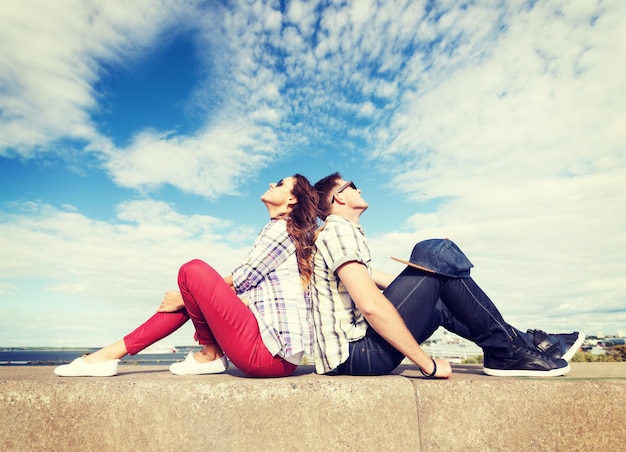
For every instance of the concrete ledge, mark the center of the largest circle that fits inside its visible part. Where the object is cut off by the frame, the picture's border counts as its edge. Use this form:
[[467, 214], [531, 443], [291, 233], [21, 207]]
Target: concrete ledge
[[147, 408]]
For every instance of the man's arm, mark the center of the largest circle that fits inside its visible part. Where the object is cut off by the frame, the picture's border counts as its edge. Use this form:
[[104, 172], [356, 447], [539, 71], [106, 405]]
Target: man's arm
[[384, 318]]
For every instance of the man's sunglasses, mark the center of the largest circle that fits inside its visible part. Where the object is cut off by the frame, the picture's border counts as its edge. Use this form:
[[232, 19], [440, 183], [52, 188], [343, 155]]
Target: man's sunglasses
[[342, 188]]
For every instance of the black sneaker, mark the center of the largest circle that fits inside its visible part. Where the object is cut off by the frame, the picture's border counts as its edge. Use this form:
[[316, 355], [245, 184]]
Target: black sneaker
[[524, 363], [557, 346]]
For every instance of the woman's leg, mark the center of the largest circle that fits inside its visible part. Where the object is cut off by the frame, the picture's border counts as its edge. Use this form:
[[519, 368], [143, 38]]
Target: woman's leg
[[157, 327], [221, 318], [116, 350]]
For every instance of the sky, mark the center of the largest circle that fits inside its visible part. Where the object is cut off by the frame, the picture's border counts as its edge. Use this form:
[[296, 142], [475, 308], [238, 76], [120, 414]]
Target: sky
[[136, 136]]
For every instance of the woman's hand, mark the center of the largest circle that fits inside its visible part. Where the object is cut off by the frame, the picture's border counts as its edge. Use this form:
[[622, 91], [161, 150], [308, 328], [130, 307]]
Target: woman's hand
[[172, 302], [229, 280], [244, 300]]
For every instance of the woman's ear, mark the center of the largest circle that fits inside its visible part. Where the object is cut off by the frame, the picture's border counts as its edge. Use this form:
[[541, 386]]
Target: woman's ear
[[292, 201]]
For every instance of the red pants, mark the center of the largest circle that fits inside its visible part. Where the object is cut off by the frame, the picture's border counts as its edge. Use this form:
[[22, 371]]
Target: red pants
[[160, 325], [219, 317]]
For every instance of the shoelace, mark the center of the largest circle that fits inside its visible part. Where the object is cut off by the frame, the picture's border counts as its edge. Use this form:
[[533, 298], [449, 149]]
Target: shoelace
[[536, 354]]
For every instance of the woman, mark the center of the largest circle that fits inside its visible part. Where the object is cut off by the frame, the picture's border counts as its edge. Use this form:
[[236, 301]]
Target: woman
[[259, 316]]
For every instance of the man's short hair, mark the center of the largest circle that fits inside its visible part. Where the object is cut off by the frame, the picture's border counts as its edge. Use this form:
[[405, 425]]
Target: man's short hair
[[325, 190]]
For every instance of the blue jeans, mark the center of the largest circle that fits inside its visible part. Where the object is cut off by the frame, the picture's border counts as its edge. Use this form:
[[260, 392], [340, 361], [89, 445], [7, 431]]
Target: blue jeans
[[427, 301]]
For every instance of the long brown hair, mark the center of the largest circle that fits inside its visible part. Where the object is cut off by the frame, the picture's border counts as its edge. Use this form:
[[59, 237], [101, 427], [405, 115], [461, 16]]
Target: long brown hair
[[301, 225]]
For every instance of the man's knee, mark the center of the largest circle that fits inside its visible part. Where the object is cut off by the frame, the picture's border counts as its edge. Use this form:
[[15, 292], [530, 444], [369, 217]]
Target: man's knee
[[441, 256]]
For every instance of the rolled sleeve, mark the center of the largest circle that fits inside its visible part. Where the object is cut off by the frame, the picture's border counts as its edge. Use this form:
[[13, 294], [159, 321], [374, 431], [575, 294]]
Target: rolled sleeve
[[341, 246]]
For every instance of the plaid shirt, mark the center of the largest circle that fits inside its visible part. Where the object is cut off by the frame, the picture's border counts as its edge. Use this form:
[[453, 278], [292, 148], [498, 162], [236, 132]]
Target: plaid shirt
[[270, 279], [337, 321]]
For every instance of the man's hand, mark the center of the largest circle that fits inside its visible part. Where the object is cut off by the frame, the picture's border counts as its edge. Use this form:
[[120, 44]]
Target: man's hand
[[172, 302], [444, 370], [382, 279]]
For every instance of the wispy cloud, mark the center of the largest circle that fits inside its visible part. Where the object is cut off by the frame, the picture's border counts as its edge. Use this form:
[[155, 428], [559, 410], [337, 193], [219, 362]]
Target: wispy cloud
[[51, 57], [507, 116], [54, 59], [78, 269], [145, 235]]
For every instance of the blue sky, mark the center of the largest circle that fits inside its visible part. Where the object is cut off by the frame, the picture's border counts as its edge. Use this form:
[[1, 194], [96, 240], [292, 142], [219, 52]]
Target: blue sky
[[135, 136]]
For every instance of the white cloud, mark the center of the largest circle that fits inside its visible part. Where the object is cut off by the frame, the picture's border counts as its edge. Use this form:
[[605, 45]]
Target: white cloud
[[105, 277], [147, 237], [537, 247], [50, 54], [303, 15], [367, 109], [521, 135], [509, 115], [53, 61], [210, 164]]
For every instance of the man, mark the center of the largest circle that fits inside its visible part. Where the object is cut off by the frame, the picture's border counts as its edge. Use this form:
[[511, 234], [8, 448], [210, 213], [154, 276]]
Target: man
[[360, 330]]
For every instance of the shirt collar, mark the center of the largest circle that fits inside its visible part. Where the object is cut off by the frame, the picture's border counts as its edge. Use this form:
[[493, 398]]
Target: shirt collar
[[340, 219]]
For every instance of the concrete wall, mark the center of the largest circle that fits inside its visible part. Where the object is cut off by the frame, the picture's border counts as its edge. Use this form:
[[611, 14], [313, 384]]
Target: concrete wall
[[147, 408]]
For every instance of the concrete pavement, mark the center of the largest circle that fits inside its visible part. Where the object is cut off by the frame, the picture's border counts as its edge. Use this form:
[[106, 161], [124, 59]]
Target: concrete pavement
[[148, 408]]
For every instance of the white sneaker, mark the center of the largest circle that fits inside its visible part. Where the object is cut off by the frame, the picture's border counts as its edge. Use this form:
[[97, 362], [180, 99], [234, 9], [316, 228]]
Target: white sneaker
[[80, 368], [192, 367]]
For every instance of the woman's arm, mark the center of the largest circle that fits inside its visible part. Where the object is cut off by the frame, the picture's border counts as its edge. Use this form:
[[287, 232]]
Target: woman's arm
[[172, 302], [271, 248], [229, 280]]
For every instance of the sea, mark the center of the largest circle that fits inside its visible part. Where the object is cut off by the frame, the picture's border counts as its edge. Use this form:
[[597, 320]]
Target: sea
[[453, 351], [43, 356]]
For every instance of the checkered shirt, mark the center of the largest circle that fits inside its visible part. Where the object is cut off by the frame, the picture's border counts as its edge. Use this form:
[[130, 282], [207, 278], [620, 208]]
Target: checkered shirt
[[269, 278], [337, 321]]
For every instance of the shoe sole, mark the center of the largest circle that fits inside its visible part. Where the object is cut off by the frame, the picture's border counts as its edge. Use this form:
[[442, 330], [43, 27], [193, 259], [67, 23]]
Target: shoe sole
[[526, 373], [103, 369], [197, 371], [574, 348], [92, 374]]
